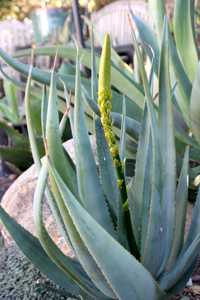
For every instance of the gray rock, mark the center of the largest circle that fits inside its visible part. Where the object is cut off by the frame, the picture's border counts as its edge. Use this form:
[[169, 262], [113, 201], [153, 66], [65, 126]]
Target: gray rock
[[18, 202]]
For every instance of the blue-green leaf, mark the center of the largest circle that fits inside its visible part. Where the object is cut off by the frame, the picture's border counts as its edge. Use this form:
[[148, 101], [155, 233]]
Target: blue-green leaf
[[195, 107], [137, 197], [184, 36], [118, 265], [157, 9], [90, 190], [61, 160], [167, 146], [149, 41], [181, 210], [69, 266]]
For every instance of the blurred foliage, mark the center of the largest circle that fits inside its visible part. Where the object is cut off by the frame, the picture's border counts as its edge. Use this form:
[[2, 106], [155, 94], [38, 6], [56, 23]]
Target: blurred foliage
[[20, 9]]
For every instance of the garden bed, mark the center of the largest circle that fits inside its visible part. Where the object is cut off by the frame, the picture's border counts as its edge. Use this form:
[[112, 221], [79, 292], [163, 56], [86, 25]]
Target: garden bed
[[19, 279]]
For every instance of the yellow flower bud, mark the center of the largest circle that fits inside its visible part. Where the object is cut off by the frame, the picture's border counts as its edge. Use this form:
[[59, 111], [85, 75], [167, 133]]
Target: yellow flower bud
[[120, 183]]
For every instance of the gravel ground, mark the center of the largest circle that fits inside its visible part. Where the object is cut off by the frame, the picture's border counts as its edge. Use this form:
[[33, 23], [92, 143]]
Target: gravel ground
[[20, 280]]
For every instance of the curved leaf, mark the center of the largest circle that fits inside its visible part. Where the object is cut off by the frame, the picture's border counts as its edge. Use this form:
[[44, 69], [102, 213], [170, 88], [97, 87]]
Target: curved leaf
[[69, 266], [195, 107], [126, 86], [167, 146], [118, 265], [54, 146], [157, 9], [149, 41], [184, 36], [90, 190], [181, 210]]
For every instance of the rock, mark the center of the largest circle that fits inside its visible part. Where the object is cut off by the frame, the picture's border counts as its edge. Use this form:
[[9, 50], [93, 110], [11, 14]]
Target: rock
[[106, 20], [18, 202]]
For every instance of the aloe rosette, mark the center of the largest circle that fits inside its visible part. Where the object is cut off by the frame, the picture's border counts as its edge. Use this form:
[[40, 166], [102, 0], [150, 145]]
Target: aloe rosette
[[130, 244]]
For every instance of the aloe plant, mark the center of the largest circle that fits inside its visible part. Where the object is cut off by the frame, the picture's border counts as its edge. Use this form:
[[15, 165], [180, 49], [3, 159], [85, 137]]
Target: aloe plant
[[128, 234], [130, 244], [124, 80]]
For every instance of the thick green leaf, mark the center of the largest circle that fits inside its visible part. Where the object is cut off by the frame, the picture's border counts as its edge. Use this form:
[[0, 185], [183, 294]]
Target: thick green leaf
[[12, 99], [182, 266], [167, 147], [90, 190], [157, 9], [43, 77], [184, 36], [133, 111], [132, 126], [149, 41], [195, 107], [181, 210], [124, 84], [184, 87], [138, 200], [70, 267], [29, 120], [36, 157], [59, 158], [181, 284], [118, 265], [155, 238], [44, 107], [195, 223], [107, 170], [108, 177], [80, 249], [5, 112], [123, 133]]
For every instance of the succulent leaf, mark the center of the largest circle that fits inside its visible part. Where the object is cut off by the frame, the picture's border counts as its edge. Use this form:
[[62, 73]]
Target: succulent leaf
[[123, 83], [184, 36], [167, 146], [90, 190], [129, 271], [157, 9], [181, 210], [194, 107]]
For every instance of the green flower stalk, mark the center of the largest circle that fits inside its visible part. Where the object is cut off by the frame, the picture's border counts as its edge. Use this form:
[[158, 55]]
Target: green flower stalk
[[105, 106]]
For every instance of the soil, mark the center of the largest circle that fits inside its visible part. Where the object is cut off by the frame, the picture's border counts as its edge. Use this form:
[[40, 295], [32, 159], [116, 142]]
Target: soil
[[33, 285]]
